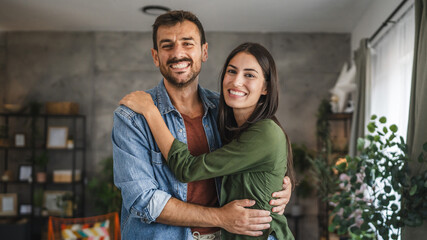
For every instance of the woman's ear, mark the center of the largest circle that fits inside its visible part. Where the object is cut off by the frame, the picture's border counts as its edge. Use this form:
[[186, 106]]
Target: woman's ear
[[264, 89]]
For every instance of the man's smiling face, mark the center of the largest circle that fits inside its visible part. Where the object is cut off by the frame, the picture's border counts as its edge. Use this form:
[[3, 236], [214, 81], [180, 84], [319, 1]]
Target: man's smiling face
[[180, 53]]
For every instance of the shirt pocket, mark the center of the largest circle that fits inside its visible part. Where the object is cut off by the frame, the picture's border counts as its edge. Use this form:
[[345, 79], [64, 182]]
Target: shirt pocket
[[156, 158]]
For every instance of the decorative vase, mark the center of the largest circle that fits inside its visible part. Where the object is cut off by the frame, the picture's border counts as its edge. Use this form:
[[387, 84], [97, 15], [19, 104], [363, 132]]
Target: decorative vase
[[41, 177]]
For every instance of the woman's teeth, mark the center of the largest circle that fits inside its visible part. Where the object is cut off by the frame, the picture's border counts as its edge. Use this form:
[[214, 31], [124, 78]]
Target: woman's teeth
[[237, 93]]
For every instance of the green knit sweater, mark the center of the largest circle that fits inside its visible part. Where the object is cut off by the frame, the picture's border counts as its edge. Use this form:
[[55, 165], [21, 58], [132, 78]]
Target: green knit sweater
[[253, 167]]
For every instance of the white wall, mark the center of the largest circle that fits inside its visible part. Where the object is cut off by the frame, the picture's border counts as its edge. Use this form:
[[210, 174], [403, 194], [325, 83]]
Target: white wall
[[374, 16]]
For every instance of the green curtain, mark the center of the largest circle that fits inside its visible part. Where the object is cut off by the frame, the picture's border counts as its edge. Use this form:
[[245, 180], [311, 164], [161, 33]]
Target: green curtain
[[362, 61], [417, 124]]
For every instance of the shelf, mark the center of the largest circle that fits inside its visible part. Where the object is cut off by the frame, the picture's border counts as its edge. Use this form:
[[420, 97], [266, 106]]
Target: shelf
[[339, 116], [15, 217], [15, 182], [26, 115], [43, 148], [38, 183]]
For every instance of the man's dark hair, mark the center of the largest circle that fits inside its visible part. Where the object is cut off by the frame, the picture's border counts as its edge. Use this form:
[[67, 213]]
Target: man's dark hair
[[171, 18]]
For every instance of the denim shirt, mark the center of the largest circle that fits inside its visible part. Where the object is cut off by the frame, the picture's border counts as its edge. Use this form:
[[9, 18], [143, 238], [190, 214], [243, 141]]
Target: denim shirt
[[140, 172]]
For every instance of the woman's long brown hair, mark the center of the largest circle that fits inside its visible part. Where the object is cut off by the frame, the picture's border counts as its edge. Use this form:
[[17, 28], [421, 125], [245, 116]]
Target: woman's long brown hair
[[267, 104]]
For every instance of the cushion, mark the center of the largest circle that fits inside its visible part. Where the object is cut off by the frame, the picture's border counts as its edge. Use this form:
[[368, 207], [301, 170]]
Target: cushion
[[86, 231]]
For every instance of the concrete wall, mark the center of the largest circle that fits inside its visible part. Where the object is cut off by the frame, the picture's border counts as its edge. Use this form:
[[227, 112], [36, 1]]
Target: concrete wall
[[97, 69]]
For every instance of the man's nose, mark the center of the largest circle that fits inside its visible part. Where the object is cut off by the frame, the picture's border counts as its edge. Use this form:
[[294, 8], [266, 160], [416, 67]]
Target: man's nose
[[178, 51]]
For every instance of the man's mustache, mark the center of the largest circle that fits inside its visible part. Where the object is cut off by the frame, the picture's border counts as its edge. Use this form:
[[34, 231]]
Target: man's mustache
[[176, 60]]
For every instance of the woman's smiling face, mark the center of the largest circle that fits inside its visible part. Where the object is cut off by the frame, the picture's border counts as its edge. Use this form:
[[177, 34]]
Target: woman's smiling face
[[243, 84]]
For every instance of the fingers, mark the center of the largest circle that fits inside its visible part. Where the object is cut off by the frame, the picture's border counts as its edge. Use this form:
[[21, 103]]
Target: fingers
[[259, 227], [280, 209], [245, 202], [124, 100], [252, 233], [279, 201], [237, 218], [256, 213], [286, 181], [260, 221]]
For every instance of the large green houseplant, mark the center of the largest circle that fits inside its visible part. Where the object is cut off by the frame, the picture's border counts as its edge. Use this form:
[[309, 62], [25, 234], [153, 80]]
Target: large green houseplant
[[101, 187], [379, 194]]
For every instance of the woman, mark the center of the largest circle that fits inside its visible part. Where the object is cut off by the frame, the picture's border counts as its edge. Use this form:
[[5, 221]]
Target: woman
[[254, 158]]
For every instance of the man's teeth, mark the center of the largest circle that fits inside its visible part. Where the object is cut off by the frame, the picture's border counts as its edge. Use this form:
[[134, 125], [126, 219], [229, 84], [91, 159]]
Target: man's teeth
[[237, 93], [181, 65]]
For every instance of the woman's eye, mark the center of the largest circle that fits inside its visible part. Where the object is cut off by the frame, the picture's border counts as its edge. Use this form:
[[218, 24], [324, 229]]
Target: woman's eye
[[249, 75], [231, 71]]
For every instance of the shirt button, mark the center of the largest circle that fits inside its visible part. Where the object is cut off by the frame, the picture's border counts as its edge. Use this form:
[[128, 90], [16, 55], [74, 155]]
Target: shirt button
[[180, 130]]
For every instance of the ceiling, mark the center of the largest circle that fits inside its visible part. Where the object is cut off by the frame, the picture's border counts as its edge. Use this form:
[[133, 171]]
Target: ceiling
[[340, 16]]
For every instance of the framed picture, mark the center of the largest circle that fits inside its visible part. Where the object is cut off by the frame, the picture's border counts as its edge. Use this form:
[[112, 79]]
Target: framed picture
[[54, 203], [25, 209], [25, 172], [8, 204], [57, 137], [19, 139]]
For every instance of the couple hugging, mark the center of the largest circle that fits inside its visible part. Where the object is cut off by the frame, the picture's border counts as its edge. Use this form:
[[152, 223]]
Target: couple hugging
[[192, 164]]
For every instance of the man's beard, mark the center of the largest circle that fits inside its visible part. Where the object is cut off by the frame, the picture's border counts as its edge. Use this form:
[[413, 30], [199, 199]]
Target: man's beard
[[173, 80]]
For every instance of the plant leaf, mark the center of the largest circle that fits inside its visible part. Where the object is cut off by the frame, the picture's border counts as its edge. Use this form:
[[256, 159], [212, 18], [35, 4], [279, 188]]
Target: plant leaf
[[373, 117], [385, 130], [413, 190], [393, 128], [421, 158], [387, 189], [331, 227], [394, 207], [360, 144], [383, 120]]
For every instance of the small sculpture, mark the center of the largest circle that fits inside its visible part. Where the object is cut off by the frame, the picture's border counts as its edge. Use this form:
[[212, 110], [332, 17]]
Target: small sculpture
[[345, 85]]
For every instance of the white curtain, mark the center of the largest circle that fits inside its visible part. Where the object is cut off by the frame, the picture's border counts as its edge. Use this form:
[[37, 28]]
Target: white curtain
[[390, 85], [389, 88]]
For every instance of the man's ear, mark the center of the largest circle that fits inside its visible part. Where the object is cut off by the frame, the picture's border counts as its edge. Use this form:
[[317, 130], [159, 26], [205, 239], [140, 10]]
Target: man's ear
[[155, 56], [205, 52]]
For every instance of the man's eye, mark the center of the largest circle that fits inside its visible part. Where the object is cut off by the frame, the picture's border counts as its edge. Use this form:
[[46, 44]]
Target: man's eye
[[167, 46], [188, 44]]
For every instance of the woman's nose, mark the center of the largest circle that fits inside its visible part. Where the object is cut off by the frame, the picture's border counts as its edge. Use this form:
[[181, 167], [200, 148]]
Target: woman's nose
[[238, 80]]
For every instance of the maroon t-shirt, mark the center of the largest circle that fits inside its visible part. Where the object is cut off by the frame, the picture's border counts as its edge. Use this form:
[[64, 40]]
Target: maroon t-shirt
[[199, 192]]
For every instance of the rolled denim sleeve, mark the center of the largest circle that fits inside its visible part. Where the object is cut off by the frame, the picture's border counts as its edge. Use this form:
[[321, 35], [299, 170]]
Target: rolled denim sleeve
[[133, 171]]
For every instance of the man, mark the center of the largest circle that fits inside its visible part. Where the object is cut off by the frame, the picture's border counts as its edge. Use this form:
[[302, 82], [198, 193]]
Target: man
[[155, 204]]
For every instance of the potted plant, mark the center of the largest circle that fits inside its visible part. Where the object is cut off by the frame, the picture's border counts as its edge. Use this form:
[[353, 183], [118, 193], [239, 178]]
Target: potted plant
[[38, 201], [379, 195], [324, 178], [304, 187], [107, 196], [41, 162]]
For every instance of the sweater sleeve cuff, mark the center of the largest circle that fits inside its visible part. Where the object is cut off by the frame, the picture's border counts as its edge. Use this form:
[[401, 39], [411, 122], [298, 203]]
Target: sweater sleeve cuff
[[176, 146]]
